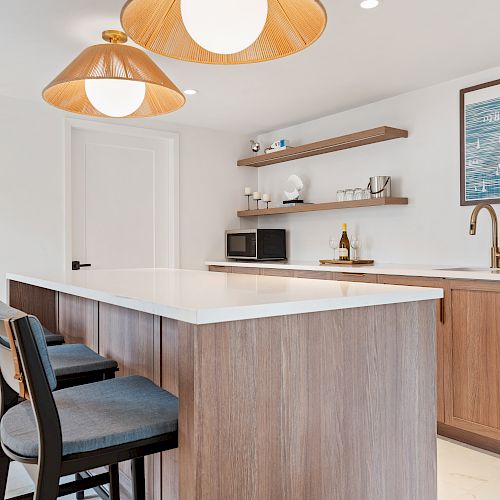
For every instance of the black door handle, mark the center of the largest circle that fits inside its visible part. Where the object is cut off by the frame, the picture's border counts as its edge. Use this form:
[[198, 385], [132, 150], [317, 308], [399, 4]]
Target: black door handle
[[75, 265]]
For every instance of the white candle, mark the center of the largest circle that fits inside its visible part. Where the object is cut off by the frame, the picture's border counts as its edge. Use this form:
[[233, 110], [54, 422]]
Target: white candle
[[256, 195], [248, 191], [266, 197]]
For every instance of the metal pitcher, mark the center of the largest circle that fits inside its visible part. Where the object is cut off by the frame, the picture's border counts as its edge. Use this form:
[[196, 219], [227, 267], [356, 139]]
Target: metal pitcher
[[380, 186]]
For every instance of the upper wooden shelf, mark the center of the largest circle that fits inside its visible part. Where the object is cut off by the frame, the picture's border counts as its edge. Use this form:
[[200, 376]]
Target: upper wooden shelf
[[314, 207], [363, 138]]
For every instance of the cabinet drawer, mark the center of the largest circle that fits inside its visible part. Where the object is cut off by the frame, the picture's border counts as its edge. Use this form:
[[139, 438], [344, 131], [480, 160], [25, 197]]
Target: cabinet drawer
[[278, 272], [358, 277], [246, 270], [220, 269], [315, 275]]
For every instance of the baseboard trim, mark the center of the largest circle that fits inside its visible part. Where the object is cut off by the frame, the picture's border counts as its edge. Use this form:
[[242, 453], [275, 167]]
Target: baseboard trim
[[470, 438]]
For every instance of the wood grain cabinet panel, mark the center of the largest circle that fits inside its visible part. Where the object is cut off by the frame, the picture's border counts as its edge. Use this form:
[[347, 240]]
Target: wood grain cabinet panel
[[40, 302], [287, 273], [220, 269], [473, 363], [324, 411], [246, 270], [314, 275], [132, 338], [356, 277], [443, 308], [170, 382], [78, 319]]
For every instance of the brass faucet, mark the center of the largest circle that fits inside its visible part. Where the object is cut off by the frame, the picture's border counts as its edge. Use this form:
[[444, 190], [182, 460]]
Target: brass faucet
[[495, 254]]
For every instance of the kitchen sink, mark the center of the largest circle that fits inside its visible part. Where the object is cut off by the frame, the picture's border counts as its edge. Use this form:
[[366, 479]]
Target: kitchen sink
[[470, 269]]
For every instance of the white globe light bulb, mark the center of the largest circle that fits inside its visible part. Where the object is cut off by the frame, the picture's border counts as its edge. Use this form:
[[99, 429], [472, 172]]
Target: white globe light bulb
[[224, 26], [115, 98]]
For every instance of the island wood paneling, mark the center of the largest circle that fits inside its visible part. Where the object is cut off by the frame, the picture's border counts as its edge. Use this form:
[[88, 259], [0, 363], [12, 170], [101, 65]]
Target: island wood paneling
[[40, 302], [324, 406], [443, 324], [132, 338], [170, 382], [78, 320]]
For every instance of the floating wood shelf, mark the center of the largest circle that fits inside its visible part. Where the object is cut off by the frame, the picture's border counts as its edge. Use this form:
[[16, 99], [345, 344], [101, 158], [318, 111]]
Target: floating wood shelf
[[314, 207], [363, 138]]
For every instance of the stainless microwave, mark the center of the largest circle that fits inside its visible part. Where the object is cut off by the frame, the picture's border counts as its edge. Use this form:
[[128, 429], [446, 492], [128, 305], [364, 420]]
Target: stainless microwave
[[256, 244]]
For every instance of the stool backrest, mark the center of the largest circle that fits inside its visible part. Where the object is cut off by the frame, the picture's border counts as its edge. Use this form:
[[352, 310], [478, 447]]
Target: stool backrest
[[27, 332], [7, 366]]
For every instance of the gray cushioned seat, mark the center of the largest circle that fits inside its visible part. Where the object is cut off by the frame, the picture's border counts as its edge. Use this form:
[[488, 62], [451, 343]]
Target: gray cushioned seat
[[73, 359], [52, 338], [96, 416], [10, 312]]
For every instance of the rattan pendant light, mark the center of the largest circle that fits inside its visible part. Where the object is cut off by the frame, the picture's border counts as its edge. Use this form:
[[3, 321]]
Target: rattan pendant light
[[77, 88], [291, 26]]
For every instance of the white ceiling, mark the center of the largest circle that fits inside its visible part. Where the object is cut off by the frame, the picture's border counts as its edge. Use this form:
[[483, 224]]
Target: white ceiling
[[363, 56]]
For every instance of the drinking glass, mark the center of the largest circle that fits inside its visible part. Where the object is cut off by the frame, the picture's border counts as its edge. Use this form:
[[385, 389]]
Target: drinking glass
[[349, 194], [334, 244], [340, 195], [355, 246], [358, 194], [366, 194]]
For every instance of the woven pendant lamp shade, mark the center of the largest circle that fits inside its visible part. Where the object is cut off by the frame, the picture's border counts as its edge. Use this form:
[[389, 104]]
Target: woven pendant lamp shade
[[291, 26], [113, 61]]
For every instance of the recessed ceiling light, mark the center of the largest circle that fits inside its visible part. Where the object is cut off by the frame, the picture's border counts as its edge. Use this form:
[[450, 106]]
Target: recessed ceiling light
[[369, 4], [190, 91]]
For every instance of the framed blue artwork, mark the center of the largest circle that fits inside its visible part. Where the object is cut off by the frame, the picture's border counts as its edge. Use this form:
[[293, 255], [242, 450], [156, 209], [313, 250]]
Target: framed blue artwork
[[480, 144]]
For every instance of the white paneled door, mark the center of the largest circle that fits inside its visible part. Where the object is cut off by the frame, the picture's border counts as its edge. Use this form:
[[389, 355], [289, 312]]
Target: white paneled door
[[123, 193]]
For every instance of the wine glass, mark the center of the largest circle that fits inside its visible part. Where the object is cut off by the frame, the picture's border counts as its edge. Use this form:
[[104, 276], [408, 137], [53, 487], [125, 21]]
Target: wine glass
[[334, 244], [355, 245]]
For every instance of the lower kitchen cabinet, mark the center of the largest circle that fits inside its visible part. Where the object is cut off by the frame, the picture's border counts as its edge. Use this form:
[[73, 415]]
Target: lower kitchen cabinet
[[472, 364]]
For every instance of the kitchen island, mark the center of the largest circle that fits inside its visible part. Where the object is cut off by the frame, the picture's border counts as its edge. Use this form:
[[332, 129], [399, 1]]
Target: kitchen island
[[289, 389]]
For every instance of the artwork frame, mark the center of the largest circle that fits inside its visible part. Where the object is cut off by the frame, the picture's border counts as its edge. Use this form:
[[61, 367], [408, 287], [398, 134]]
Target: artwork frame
[[480, 124]]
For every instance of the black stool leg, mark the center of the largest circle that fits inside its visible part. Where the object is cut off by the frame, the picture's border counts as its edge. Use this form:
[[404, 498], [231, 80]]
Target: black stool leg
[[139, 483], [47, 486], [114, 482], [80, 495], [4, 473]]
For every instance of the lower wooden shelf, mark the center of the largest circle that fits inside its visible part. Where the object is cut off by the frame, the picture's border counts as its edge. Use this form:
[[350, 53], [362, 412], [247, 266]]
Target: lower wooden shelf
[[313, 207]]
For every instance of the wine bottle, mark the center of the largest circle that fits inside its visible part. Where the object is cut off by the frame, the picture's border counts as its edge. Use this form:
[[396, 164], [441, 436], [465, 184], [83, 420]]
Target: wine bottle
[[344, 245]]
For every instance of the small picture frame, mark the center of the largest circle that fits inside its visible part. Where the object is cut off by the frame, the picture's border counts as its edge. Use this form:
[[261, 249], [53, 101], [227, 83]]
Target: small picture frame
[[480, 144]]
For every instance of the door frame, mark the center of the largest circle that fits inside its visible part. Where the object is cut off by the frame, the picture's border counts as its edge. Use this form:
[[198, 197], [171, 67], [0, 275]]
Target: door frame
[[171, 140]]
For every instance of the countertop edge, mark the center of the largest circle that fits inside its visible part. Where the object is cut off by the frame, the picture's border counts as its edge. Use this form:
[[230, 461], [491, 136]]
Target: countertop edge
[[237, 313], [382, 269]]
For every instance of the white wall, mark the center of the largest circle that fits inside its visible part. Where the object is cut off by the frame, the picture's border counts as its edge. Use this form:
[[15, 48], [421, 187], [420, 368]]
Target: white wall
[[433, 228], [32, 188]]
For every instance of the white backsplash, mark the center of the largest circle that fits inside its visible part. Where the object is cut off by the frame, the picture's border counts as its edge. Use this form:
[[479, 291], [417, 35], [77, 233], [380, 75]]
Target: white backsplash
[[433, 228]]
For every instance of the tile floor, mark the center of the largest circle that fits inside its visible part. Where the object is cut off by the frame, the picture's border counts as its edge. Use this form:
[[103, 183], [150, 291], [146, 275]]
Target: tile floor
[[464, 473]]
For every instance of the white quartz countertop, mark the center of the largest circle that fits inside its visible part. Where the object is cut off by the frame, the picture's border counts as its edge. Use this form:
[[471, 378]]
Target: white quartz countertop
[[435, 271], [202, 297]]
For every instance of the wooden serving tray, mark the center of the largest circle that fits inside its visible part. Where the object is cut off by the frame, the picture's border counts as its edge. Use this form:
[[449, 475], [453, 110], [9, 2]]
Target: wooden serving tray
[[359, 262]]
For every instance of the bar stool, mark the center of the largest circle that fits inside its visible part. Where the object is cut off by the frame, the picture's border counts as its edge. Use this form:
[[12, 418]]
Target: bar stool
[[81, 428], [51, 338], [73, 364]]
